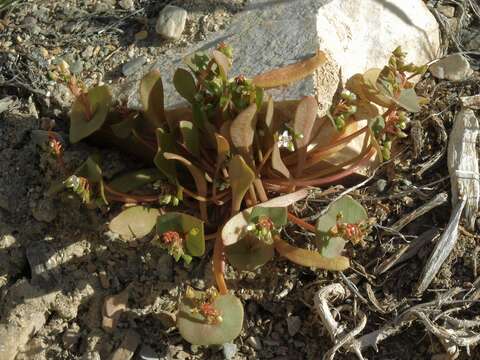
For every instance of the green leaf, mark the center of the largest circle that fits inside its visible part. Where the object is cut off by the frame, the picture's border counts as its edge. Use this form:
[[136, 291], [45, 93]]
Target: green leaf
[[235, 227], [90, 169], [305, 117], [89, 112], [365, 110], [352, 213], [197, 331], [277, 214], [223, 63], [277, 162], [198, 176], [408, 100], [223, 149], [166, 143], [242, 129], [259, 97], [185, 84], [134, 222], [134, 180], [191, 136], [188, 226], [332, 247], [249, 253], [151, 97], [377, 124], [241, 177], [124, 128]]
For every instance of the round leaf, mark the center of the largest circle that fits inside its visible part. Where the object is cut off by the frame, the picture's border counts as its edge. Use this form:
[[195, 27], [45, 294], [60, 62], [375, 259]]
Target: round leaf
[[134, 222], [151, 96], [189, 226], [352, 212], [185, 84], [249, 253], [197, 331], [89, 112], [332, 247], [134, 180], [234, 229]]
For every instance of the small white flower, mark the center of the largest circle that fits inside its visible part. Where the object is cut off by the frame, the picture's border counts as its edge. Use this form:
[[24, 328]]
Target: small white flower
[[285, 140], [73, 182]]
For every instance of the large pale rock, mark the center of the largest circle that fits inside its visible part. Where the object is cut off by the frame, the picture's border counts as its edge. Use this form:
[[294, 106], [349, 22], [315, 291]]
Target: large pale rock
[[453, 67], [355, 34], [171, 22]]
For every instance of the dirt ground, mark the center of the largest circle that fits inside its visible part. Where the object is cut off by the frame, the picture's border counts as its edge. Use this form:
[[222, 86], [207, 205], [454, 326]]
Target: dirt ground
[[58, 262]]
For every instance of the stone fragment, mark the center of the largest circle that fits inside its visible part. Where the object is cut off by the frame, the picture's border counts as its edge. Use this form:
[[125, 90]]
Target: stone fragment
[[294, 324], [254, 342], [113, 308], [134, 65], [71, 336], [381, 185], [472, 102], [147, 353], [127, 4], [171, 22], [229, 351], [45, 210], [453, 67], [43, 264], [447, 10], [76, 67], [141, 35], [127, 348]]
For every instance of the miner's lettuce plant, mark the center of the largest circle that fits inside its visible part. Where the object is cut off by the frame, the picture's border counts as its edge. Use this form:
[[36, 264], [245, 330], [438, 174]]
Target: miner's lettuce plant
[[215, 169]]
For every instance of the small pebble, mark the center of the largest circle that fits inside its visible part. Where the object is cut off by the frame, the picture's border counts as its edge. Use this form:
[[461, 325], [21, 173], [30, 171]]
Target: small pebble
[[229, 351], [76, 67], [141, 35], [381, 185], [104, 279], [293, 324], [45, 211], [254, 342], [452, 67], [448, 11], [88, 52], [147, 353], [133, 65], [171, 22], [127, 4]]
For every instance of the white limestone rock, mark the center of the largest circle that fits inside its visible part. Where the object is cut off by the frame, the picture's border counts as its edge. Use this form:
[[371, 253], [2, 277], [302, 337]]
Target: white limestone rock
[[171, 22], [453, 67], [355, 34]]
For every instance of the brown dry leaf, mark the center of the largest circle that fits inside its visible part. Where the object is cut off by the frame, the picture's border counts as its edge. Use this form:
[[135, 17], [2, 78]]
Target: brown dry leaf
[[242, 129], [223, 63], [310, 258], [277, 162], [198, 177], [290, 73], [305, 116]]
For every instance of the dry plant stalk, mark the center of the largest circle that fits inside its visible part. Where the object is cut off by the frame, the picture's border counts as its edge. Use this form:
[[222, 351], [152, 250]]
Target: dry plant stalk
[[463, 169], [463, 164]]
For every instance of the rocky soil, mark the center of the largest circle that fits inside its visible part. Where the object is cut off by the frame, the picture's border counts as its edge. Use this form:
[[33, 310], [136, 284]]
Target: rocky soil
[[58, 262]]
